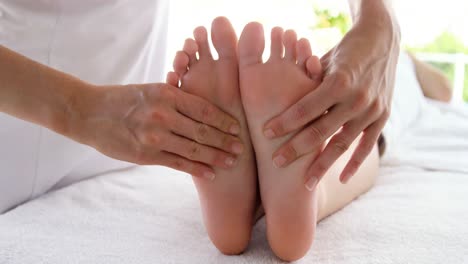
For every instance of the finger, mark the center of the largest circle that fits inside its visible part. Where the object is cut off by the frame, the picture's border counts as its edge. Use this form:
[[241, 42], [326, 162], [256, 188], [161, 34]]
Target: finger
[[179, 163], [364, 148], [172, 79], [311, 106], [206, 135], [336, 147], [195, 151], [311, 137], [205, 112]]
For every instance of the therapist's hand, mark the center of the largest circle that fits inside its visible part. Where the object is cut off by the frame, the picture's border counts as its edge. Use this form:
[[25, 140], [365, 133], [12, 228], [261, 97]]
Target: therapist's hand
[[156, 124], [354, 98]]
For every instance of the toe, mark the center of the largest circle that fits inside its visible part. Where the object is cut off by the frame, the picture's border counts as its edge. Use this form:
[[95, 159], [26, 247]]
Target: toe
[[181, 62], [191, 48], [224, 38], [172, 79], [314, 68], [276, 43], [303, 52], [289, 41], [201, 36], [251, 44]]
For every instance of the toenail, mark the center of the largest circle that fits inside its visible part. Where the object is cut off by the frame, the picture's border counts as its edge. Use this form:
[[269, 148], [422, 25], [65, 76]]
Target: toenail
[[269, 133], [237, 148], [310, 185], [230, 161], [279, 161], [234, 129]]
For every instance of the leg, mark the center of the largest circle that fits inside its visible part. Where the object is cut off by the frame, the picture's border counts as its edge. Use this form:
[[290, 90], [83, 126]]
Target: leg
[[334, 195], [227, 202], [291, 210]]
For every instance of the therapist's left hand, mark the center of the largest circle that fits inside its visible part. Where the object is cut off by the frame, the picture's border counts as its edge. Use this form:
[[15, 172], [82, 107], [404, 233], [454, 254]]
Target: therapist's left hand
[[354, 97]]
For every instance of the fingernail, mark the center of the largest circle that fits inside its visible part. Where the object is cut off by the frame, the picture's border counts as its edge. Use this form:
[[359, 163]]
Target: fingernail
[[234, 129], [279, 161], [209, 175], [311, 183], [269, 133], [230, 161], [237, 148]]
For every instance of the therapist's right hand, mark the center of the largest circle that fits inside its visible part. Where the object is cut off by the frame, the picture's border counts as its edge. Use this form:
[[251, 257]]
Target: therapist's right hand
[[156, 124]]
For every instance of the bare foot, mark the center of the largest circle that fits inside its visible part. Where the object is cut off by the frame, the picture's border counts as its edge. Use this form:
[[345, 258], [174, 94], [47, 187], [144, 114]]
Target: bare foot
[[267, 89], [228, 202]]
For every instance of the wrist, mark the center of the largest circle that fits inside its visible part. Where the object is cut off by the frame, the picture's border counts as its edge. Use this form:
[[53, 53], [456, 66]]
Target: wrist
[[77, 110], [377, 21]]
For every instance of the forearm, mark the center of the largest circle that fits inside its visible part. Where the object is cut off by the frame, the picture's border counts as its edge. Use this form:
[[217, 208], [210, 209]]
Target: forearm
[[36, 93]]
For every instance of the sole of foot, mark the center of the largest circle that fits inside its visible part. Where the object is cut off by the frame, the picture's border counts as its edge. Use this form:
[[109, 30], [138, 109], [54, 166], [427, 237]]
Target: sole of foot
[[267, 89], [228, 202]]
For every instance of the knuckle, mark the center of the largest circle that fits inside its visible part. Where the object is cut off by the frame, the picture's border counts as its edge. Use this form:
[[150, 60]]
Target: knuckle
[[355, 163], [207, 112], [362, 100], [342, 82], [377, 107], [321, 168], [386, 112], [179, 164], [314, 136], [342, 78], [290, 151], [226, 141], [299, 111], [201, 133], [193, 150], [340, 146], [367, 147], [160, 116], [151, 139]]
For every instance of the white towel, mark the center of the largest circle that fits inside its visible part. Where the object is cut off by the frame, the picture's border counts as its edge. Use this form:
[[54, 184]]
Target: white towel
[[151, 215]]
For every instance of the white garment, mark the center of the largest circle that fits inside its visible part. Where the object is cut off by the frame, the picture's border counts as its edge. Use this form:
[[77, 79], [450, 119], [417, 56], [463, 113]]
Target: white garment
[[99, 41], [422, 132]]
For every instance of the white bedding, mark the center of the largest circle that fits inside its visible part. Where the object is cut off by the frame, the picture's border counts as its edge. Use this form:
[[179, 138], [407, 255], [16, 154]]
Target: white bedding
[[151, 215], [416, 213]]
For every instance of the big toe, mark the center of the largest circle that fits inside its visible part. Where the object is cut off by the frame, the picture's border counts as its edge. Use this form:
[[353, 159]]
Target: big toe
[[251, 44], [224, 38]]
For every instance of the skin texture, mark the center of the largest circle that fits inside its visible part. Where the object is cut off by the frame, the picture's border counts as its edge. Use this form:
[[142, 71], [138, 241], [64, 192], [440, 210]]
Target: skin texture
[[145, 124], [227, 203], [353, 99]]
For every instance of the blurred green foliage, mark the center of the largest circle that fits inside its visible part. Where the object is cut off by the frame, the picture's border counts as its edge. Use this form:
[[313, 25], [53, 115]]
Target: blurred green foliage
[[326, 19], [446, 42]]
